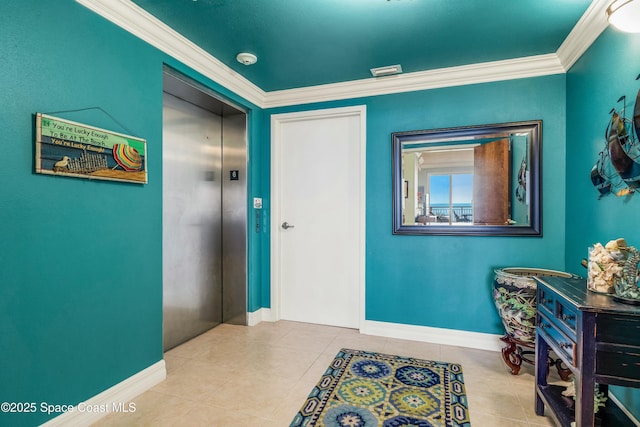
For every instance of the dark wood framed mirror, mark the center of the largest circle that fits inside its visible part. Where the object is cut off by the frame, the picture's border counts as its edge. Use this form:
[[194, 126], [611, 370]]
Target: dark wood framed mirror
[[475, 180]]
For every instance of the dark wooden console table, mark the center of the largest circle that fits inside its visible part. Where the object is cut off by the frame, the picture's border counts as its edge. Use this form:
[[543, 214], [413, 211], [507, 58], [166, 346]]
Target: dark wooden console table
[[596, 337]]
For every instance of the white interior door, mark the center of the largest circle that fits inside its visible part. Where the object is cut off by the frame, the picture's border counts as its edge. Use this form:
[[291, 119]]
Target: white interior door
[[318, 190]]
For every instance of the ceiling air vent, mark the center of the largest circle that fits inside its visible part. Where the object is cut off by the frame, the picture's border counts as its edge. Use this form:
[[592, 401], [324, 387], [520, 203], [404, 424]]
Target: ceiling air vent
[[386, 71]]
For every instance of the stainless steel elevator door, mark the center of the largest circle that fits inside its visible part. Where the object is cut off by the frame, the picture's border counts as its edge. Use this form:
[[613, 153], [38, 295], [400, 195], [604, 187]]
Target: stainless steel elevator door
[[192, 220], [234, 219]]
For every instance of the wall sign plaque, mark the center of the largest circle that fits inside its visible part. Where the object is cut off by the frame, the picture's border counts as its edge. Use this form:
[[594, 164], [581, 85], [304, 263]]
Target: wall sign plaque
[[73, 149]]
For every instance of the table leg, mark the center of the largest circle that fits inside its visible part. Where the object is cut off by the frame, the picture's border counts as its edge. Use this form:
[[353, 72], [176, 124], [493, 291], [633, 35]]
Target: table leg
[[542, 370]]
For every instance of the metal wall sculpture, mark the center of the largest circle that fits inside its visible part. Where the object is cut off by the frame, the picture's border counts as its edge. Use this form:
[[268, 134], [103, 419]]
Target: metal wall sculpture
[[617, 169]]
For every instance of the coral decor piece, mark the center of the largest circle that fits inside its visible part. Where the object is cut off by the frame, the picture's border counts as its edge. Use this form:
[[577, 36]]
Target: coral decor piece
[[605, 265], [613, 270]]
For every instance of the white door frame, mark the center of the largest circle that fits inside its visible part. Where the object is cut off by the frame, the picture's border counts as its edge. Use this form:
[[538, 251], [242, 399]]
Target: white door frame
[[277, 121]]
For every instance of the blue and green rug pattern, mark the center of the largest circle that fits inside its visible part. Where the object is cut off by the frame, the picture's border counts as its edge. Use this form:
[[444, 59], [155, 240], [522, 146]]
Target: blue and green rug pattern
[[366, 389]]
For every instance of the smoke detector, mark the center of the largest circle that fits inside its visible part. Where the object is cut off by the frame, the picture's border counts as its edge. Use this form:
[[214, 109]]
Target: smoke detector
[[247, 58]]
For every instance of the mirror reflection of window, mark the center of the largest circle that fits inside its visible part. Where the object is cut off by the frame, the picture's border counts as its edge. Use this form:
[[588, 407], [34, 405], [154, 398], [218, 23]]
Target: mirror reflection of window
[[444, 177], [440, 196], [476, 180], [450, 198], [461, 197]]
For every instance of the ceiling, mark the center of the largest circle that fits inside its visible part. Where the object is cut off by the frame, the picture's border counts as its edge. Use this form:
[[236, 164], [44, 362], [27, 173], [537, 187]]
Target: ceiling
[[312, 51], [303, 43]]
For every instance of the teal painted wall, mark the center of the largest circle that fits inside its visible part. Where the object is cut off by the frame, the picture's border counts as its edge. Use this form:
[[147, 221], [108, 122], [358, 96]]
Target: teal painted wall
[[601, 76], [80, 305], [80, 260], [445, 281]]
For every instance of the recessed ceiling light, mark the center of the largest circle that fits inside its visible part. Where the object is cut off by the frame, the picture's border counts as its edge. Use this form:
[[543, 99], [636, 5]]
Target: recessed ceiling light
[[386, 71], [247, 58], [625, 15]]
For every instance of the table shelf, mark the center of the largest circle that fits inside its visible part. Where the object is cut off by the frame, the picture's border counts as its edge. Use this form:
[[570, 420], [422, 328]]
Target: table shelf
[[598, 336]]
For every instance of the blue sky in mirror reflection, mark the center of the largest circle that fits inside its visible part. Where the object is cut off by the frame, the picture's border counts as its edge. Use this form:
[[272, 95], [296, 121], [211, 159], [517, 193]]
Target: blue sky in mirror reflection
[[462, 189]]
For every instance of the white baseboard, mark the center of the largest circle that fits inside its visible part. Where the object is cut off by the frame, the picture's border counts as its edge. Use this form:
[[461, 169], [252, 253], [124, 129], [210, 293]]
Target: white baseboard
[[261, 315], [454, 337], [120, 397]]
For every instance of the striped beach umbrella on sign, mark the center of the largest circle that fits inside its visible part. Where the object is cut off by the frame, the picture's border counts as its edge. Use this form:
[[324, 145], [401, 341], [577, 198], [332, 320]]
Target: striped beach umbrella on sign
[[127, 157]]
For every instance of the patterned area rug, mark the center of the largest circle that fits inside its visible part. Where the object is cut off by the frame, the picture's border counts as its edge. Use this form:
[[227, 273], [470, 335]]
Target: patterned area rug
[[364, 389]]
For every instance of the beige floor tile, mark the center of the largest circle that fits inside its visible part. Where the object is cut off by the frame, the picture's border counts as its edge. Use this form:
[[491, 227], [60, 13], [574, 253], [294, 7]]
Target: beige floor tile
[[291, 404], [498, 399], [209, 416], [420, 350], [317, 369], [485, 420], [191, 389], [258, 401], [149, 406], [542, 421], [260, 376], [305, 339], [527, 400], [356, 341], [173, 362]]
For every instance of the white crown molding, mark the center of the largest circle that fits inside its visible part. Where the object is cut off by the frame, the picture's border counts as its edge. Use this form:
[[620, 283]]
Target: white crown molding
[[533, 66], [592, 23], [147, 27], [142, 24]]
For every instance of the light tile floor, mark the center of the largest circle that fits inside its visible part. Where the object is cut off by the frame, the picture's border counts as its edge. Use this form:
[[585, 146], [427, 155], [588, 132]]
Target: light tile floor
[[237, 376]]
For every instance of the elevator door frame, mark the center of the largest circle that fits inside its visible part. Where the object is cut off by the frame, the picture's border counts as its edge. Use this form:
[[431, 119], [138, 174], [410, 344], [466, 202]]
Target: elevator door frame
[[233, 200]]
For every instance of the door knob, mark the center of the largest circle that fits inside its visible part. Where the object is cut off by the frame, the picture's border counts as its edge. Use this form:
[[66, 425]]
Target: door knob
[[286, 225]]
